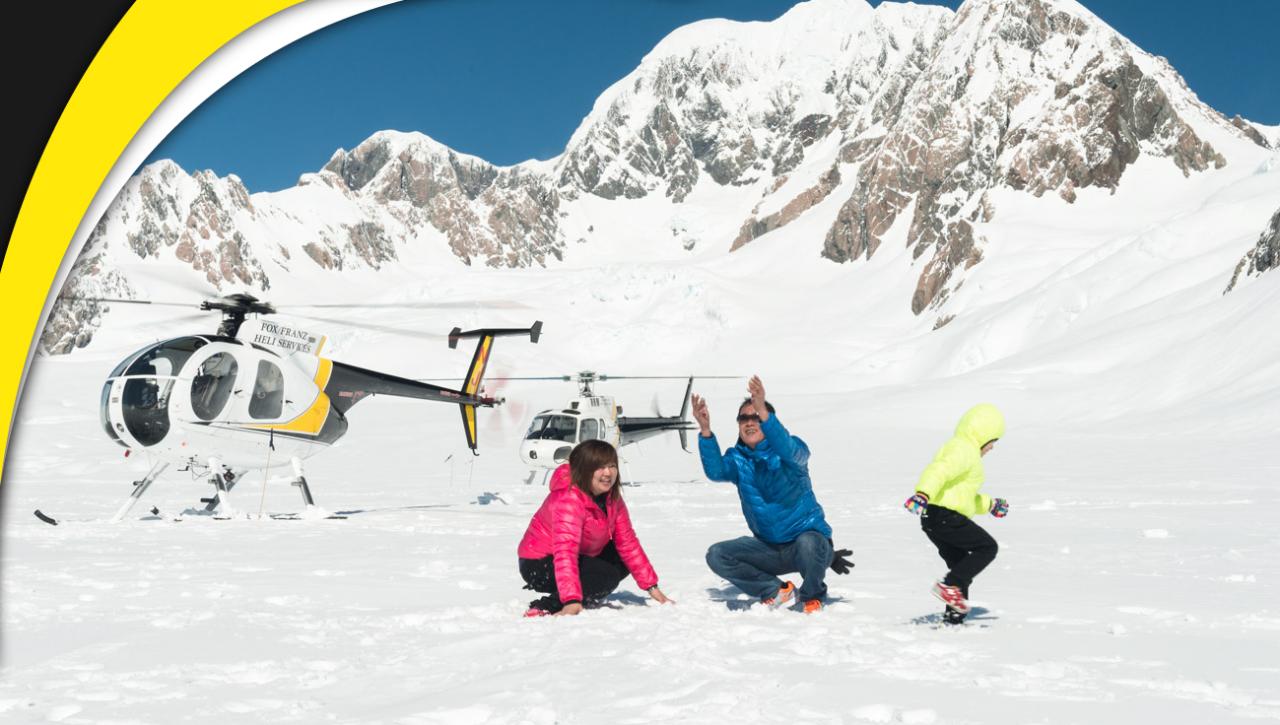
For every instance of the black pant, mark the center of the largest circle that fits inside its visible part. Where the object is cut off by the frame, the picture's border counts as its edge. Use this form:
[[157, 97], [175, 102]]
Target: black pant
[[598, 575], [965, 546]]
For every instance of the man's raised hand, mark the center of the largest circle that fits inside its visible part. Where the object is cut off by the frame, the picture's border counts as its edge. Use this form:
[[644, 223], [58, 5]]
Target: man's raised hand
[[702, 415], [756, 388]]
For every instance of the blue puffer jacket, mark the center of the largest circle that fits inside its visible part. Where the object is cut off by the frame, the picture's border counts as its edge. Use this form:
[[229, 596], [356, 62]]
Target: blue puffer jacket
[[773, 483]]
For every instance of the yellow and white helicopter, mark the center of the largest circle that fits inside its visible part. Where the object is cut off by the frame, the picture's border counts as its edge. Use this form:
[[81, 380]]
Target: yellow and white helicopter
[[256, 396], [553, 433]]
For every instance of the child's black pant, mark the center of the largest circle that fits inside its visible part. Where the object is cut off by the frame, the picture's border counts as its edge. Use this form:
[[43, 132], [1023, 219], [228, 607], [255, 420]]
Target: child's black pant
[[599, 575], [965, 546]]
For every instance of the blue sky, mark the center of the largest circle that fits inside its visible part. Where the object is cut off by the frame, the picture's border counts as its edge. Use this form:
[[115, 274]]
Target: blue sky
[[509, 80]]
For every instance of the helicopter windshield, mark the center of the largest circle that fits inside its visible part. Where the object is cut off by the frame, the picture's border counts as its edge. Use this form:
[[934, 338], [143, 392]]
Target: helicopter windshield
[[149, 378], [553, 427], [167, 358]]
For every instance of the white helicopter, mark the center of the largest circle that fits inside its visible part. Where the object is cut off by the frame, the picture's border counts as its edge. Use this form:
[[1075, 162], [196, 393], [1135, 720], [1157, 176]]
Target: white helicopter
[[255, 396], [553, 433]]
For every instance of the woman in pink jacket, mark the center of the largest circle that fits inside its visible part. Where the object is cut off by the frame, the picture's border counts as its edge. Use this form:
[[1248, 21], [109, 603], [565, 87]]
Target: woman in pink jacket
[[580, 544]]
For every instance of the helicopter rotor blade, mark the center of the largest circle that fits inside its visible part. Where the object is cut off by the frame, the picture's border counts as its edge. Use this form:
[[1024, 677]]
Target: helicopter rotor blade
[[535, 377], [475, 304], [187, 319], [402, 331], [115, 300], [566, 378]]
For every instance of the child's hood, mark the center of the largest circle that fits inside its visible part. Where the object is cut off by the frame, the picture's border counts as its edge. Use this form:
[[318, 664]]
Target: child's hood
[[981, 424]]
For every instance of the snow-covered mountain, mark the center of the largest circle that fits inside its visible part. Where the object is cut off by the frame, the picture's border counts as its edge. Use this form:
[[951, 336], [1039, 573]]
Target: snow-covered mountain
[[902, 124]]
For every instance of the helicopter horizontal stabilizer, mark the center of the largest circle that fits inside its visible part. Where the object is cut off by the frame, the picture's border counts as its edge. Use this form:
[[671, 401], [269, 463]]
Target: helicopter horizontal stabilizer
[[533, 332]]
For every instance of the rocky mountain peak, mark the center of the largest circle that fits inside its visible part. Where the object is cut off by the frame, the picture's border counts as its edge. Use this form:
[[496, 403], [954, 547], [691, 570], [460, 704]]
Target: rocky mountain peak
[[905, 117], [1033, 95], [1264, 256]]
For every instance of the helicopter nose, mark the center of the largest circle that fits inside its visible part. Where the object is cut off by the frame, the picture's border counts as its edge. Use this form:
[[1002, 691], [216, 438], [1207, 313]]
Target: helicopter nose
[[544, 453], [529, 453]]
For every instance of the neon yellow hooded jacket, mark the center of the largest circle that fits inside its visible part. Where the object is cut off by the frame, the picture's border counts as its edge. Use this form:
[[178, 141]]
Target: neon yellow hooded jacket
[[953, 478]]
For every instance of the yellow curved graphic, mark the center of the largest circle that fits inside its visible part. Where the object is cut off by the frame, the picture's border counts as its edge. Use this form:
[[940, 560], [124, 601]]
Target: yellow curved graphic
[[156, 45]]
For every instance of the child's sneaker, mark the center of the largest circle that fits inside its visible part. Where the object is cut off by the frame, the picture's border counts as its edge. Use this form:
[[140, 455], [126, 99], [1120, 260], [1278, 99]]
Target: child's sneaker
[[785, 594], [951, 596], [536, 612], [812, 606]]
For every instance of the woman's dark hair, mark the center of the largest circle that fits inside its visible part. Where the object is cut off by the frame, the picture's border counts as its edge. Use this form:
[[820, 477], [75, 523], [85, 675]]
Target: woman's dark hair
[[587, 458]]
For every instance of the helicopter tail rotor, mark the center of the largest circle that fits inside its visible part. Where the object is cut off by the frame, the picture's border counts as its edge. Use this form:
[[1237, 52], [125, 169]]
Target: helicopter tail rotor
[[475, 372], [684, 415]]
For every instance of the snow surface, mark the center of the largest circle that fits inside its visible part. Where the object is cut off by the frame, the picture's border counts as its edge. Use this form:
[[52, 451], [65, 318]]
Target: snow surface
[[1137, 578]]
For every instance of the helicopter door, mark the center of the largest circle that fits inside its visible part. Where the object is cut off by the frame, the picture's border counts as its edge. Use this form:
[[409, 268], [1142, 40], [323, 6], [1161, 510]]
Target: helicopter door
[[268, 392], [212, 386]]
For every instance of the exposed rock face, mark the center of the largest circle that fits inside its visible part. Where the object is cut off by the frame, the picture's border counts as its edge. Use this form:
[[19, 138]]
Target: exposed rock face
[[71, 324], [1028, 94], [162, 213], [730, 104], [931, 110], [1251, 131], [804, 201], [1265, 254], [499, 217]]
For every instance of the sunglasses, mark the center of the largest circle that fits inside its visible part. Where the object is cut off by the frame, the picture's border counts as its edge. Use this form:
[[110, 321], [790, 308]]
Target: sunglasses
[[748, 417]]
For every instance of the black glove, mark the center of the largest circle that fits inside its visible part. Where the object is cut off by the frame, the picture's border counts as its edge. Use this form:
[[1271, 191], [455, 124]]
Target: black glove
[[839, 563]]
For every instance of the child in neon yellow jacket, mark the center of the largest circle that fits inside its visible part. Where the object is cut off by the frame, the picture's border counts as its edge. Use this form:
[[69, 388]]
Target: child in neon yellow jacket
[[948, 496]]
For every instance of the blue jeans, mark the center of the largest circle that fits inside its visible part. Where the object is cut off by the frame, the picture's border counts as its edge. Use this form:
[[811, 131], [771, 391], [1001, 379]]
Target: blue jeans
[[753, 565]]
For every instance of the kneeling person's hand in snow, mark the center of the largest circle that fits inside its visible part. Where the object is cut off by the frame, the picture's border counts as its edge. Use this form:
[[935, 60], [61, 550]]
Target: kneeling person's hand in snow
[[840, 561]]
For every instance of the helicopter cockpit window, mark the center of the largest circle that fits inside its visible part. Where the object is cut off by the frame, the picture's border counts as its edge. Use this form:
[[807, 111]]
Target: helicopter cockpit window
[[212, 385], [268, 392], [145, 407], [553, 427], [149, 377], [590, 430]]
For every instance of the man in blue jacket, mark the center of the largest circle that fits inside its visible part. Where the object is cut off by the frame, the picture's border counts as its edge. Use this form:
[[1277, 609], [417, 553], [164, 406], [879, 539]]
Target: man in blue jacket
[[770, 467]]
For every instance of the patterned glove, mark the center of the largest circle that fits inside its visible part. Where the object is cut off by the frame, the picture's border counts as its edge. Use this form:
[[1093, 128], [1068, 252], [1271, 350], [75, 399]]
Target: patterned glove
[[999, 508], [840, 562], [917, 503]]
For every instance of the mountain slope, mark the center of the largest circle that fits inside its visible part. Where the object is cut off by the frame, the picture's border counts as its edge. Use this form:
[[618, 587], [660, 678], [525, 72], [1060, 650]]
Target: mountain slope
[[903, 125]]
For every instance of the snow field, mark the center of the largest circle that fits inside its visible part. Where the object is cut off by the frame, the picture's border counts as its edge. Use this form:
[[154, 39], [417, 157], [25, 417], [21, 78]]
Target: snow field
[[1136, 580]]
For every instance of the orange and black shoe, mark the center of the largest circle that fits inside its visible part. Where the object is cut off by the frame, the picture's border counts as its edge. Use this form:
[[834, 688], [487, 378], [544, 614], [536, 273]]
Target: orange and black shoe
[[812, 606], [785, 594]]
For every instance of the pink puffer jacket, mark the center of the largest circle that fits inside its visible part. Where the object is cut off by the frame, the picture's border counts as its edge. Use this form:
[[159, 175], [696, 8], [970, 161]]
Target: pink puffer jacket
[[570, 524]]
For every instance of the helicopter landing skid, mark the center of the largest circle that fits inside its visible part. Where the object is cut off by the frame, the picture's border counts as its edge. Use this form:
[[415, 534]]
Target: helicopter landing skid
[[139, 488], [223, 484], [534, 474], [301, 482]]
